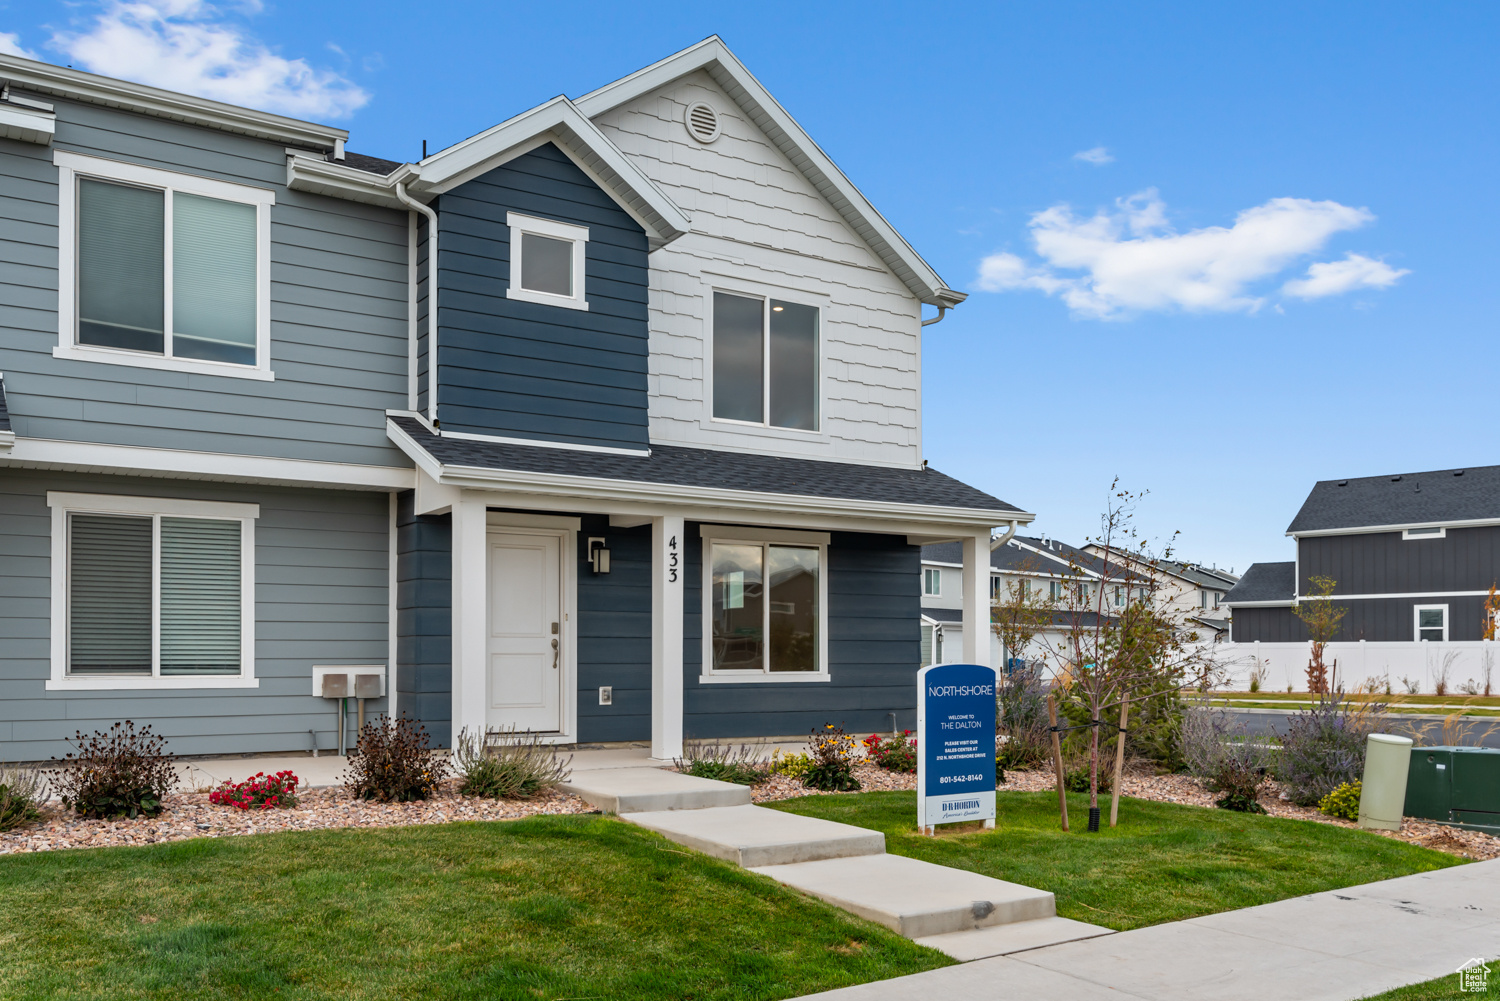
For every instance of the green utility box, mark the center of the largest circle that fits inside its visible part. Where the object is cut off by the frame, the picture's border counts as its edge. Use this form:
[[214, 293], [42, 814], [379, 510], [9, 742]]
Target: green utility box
[[1455, 785]]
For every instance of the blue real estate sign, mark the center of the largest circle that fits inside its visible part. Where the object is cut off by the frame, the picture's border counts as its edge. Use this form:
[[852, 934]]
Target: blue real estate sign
[[955, 744]]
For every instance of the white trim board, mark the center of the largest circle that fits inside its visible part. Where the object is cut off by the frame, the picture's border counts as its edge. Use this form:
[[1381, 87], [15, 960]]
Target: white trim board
[[127, 460], [1374, 529]]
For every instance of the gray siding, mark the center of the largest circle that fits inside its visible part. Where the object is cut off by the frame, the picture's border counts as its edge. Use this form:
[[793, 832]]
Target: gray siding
[[338, 310], [528, 370], [1383, 620], [614, 634], [424, 619], [321, 589], [1467, 559]]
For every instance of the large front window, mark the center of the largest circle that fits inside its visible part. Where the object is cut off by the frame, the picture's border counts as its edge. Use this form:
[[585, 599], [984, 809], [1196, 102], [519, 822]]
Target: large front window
[[764, 608], [163, 269], [765, 362], [149, 589]]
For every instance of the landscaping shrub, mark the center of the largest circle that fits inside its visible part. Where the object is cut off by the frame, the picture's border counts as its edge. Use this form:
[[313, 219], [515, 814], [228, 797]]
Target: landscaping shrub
[[507, 764], [894, 754], [1021, 719], [22, 793], [1076, 778], [833, 754], [259, 792], [393, 762], [1324, 747], [791, 765], [1156, 713], [121, 772], [1343, 802], [1221, 754], [712, 760]]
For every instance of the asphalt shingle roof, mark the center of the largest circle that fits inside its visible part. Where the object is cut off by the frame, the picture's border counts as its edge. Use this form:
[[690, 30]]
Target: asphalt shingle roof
[[1265, 582], [674, 465], [1443, 495], [369, 164]]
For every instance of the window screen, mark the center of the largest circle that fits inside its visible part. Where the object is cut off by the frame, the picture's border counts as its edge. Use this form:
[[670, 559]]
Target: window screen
[[794, 366], [200, 596], [121, 266], [109, 595], [793, 578], [738, 609], [213, 279], [546, 264]]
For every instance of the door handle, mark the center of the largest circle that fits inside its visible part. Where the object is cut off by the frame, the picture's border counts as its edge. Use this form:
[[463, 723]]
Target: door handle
[[554, 653]]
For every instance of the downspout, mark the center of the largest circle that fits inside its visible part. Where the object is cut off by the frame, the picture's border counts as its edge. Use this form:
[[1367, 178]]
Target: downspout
[[942, 311], [1010, 533], [432, 247]]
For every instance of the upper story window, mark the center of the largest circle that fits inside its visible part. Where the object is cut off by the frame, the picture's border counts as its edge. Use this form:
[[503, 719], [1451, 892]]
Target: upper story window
[[547, 260], [1119, 596], [932, 582], [1425, 533], [152, 592], [765, 361], [1054, 590], [997, 589], [162, 270]]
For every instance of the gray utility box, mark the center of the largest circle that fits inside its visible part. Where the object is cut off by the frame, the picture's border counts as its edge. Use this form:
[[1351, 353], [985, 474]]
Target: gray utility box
[[1455, 785]]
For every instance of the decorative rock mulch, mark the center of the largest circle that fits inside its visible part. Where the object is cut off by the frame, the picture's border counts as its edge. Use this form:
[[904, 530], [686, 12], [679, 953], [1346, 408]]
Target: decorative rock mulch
[[190, 815], [872, 778]]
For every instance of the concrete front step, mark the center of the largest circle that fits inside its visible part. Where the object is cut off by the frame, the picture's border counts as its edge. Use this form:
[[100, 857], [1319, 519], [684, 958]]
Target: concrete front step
[[1002, 940], [915, 898], [753, 836], [645, 790]]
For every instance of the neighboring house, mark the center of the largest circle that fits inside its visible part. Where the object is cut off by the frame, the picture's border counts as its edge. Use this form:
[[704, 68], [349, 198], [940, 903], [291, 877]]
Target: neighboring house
[[1414, 556], [603, 423], [1067, 575], [1190, 592]]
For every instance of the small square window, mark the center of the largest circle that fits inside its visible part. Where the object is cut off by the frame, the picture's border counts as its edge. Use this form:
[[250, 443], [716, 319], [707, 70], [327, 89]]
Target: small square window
[[547, 261], [932, 582], [1432, 623]]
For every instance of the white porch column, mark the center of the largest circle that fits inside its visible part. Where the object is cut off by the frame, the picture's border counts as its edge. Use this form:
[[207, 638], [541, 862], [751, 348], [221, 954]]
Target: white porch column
[[668, 567], [470, 603], [977, 599]]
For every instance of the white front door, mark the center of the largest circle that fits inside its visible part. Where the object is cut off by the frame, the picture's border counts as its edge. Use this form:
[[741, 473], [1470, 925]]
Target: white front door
[[525, 656]]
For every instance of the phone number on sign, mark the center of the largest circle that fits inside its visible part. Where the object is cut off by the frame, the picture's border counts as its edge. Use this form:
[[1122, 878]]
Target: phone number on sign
[[945, 779]]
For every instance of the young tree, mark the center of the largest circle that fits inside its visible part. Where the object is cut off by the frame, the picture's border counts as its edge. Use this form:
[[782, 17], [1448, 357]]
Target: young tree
[[1322, 618], [1134, 652]]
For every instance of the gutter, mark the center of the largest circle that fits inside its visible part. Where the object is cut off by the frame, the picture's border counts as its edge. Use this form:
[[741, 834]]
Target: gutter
[[432, 249]]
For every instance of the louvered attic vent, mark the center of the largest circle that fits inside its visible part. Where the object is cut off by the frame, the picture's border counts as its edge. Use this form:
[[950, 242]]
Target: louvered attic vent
[[702, 122]]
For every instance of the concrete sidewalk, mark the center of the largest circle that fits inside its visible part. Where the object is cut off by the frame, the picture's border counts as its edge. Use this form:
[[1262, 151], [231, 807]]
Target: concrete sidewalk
[[1336, 946]]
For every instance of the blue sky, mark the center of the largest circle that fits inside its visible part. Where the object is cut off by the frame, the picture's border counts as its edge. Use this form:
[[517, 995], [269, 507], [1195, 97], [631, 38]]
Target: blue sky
[[1218, 253]]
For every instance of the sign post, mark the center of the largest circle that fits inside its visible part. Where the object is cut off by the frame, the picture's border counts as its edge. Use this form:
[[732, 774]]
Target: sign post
[[955, 744]]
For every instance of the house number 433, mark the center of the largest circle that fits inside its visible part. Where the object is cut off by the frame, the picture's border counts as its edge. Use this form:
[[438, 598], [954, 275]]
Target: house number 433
[[672, 560]]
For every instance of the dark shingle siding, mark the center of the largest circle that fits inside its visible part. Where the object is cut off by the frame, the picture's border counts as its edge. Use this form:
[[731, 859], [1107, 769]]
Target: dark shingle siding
[[1265, 582], [673, 465], [1401, 499]]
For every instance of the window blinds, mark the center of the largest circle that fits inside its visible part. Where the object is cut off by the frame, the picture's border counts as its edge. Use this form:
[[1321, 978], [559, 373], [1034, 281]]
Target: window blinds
[[109, 598], [213, 279], [200, 596], [121, 266]]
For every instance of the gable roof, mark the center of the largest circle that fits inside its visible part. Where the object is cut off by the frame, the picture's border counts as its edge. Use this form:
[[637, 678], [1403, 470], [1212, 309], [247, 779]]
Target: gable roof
[[713, 57], [1404, 500], [1264, 583], [1024, 554], [370, 179]]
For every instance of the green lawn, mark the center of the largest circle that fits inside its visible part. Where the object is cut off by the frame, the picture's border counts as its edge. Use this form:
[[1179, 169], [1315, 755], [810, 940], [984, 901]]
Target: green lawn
[[546, 908], [1443, 989], [1163, 863]]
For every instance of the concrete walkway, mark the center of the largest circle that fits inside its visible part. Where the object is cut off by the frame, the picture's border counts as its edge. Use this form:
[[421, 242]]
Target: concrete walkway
[[1335, 946]]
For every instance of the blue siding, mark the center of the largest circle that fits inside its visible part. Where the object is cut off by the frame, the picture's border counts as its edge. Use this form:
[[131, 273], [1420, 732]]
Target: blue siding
[[614, 634], [526, 370], [424, 619], [874, 650]]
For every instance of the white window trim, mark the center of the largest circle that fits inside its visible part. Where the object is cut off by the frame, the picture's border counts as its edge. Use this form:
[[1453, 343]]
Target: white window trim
[[577, 235], [730, 534], [1413, 534], [1416, 621], [70, 166], [756, 290], [937, 575], [63, 504]]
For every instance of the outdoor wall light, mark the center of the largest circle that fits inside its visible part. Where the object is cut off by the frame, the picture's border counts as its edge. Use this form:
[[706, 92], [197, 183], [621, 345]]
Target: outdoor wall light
[[598, 555]]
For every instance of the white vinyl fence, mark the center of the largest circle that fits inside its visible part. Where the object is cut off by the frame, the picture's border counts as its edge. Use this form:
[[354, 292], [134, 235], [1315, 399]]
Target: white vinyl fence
[[1422, 664]]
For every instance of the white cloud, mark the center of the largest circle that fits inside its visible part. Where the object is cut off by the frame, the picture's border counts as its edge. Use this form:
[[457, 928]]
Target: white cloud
[[189, 46], [10, 45], [1337, 277], [1131, 260], [1098, 156]]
